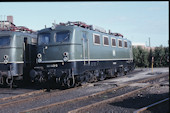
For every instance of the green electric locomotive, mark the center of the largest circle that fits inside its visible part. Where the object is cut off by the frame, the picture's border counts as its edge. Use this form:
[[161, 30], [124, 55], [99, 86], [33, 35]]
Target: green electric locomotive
[[17, 54], [74, 52]]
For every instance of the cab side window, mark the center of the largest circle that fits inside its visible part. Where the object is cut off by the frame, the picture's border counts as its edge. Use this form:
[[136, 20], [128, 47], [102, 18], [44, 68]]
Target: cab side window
[[105, 41], [96, 39], [113, 42], [120, 43]]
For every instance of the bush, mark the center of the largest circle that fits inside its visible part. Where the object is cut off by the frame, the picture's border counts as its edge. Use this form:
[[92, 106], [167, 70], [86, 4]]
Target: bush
[[143, 57]]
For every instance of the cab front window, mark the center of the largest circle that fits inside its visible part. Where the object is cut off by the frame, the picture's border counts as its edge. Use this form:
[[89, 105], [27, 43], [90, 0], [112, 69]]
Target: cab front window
[[4, 40], [44, 38], [62, 36]]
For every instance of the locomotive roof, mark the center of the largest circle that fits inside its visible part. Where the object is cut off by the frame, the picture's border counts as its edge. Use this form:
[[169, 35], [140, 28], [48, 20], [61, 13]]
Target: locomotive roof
[[18, 33], [70, 27]]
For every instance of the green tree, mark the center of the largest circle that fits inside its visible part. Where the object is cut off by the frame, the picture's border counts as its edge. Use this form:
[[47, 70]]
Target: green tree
[[166, 58], [140, 57], [143, 58], [159, 54], [150, 55]]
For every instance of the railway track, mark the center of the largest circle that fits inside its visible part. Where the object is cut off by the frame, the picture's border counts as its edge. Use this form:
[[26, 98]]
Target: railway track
[[98, 98], [37, 96], [84, 108], [154, 106], [3, 90], [122, 103], [91, 108], [12, 99], [10, 94], [27, 97], [22, 95]]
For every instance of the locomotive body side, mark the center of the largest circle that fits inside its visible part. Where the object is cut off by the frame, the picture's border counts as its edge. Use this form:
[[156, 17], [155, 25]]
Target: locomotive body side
[[92, 56]]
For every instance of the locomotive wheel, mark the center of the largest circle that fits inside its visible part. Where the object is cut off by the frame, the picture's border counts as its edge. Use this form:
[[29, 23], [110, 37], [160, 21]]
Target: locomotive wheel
[[1, 80], [9, 81], [122, 73], [77, 81], [69, 82], [102, 76], [77, 84], [90, 77], [125, 72], [4, 80]]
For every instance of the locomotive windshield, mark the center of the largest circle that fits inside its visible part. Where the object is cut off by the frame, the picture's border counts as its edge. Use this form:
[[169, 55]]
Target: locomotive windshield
[[4, 40], [44, 38], [62, 36]]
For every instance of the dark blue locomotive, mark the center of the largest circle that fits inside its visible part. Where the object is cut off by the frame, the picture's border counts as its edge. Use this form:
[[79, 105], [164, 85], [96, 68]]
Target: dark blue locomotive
[[74, 52]]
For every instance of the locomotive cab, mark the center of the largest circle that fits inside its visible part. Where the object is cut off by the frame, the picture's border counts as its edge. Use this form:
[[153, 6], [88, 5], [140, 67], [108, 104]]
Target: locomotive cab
[[54, 50], [52, 44]]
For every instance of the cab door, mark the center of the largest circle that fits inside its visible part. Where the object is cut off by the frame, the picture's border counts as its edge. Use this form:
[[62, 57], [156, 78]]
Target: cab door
[[85, 43]]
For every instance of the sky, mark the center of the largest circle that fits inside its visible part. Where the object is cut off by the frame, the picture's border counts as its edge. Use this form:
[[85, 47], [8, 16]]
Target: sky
[[137, 21]]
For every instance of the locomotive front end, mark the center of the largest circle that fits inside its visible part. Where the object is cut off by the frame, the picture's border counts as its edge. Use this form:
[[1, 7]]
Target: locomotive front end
[[53, 53], [10, 61], [17, 56]]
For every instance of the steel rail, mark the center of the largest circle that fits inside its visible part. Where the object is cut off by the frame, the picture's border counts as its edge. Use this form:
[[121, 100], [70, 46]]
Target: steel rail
[[151, 106], [37, 97], [22, 95], [109, 100], [155, 77]]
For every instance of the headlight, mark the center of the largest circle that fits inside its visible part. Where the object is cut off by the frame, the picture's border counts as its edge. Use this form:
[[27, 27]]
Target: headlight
[[39, 55], [65, 59], [65, 54], [5, 57], [5, 61], [39, 60]]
